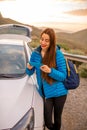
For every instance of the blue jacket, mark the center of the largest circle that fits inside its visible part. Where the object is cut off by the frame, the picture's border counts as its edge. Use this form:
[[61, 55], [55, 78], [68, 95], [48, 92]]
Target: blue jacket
[[59, 73]]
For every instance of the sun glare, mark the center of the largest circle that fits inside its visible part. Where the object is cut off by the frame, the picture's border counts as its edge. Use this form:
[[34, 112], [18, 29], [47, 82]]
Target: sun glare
[[23, 10], [33, 11]]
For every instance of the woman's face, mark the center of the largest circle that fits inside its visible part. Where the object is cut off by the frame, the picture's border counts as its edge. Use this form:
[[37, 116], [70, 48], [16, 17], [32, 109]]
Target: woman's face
[[45, 41]]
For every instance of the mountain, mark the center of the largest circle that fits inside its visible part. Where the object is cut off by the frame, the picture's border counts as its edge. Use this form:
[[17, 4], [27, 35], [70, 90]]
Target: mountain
[[76, 40], [7, 20], [35, 30]]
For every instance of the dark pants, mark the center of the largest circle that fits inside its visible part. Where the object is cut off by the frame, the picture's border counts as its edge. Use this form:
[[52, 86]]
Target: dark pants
[[56, 103]]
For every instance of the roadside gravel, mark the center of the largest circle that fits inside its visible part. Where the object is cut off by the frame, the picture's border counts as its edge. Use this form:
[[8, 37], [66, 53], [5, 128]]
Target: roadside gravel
[[74, 115], [75, 110]]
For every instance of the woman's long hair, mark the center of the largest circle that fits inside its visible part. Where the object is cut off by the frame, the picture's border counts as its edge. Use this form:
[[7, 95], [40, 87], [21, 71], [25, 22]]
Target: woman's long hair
[[50, 56]]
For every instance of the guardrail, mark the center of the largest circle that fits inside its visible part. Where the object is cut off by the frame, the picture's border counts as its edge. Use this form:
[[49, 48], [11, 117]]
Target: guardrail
[[74, 57]]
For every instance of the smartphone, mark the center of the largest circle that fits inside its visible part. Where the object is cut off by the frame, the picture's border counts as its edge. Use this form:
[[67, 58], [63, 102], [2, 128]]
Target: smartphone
[[35, 64]]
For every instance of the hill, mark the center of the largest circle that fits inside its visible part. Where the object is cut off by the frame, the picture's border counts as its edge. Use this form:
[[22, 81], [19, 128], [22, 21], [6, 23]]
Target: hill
[[7, 20], [74, 40], [77, 40], [35, 30]]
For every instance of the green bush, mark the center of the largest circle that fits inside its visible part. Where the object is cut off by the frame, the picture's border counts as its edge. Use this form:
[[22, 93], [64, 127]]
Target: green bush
[[76, 51], [35, 43], [83, 70], [64, 46]]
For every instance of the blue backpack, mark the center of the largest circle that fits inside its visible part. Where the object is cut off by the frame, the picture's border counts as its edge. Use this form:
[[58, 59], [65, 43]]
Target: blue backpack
[[73, 79]]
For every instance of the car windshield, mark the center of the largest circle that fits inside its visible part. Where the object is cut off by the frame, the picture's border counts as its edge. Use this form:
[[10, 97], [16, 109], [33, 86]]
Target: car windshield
[[12, 60]]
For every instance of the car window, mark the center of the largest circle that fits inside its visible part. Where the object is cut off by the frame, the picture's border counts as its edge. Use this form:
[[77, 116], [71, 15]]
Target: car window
[[12, 59], [15, 29]]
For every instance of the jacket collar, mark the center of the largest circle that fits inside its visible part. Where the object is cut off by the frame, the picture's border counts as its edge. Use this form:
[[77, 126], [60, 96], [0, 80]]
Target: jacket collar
[[38, 49]]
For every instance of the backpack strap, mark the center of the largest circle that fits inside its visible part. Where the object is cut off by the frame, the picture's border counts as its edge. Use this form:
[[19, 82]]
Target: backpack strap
[[75, 69], [68, 68]]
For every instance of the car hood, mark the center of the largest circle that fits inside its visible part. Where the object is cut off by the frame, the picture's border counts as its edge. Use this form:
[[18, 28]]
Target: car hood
[[15, 100]]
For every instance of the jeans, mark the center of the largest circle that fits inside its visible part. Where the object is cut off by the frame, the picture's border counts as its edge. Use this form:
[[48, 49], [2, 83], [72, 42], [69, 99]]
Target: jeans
[[56, 104]]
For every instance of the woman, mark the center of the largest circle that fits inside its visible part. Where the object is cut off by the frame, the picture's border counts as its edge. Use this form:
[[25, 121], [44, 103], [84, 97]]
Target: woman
[[50, 66]]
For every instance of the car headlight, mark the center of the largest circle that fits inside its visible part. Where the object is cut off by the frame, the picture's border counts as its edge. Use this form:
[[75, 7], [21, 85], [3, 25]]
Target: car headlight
[[27, 122]]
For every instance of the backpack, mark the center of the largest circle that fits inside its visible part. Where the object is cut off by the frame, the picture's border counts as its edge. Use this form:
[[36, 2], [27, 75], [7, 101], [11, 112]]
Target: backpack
[[72, 80]]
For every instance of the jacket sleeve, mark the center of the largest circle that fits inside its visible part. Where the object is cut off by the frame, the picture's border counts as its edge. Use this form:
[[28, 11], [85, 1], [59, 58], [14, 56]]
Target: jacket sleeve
[[28, 71], [59, 73]]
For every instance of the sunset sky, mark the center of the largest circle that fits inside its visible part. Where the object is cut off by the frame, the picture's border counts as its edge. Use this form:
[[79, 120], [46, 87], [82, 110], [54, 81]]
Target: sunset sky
[[38, 12]]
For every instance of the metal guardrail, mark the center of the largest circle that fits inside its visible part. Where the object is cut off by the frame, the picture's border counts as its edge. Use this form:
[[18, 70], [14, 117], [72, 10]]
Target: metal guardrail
[[74, 57]]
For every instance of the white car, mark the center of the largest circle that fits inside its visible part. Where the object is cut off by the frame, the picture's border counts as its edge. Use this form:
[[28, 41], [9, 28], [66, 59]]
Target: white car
[[21, 106]]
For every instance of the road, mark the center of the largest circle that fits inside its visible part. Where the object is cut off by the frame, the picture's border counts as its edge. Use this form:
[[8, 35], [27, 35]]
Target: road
[[74, 115]]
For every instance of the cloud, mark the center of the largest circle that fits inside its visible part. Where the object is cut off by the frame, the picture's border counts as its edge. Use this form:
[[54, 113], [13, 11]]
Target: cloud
[[80, 0], [73, 0], [7, 0], [79, 12]]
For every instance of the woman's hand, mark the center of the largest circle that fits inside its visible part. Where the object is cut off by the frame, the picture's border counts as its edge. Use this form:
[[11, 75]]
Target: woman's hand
[[45, 69], [29, 66]]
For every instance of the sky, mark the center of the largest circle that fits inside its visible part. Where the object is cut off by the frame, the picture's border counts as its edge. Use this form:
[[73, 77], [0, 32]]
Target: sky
[[56, 13]]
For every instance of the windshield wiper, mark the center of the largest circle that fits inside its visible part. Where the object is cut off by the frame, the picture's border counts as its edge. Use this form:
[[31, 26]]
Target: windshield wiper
[[6, 76], [11, 75]]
